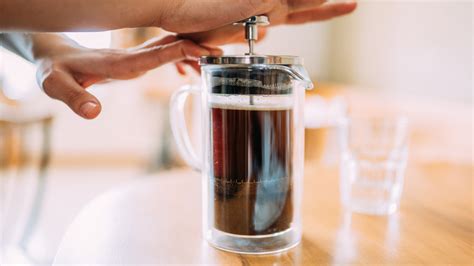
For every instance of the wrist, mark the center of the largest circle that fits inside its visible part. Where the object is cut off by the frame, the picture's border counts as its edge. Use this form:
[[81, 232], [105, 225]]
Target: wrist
[[49, 45]]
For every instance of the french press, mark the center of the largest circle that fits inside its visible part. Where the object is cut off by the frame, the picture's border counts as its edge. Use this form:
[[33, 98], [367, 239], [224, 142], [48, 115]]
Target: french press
[[253, 147]]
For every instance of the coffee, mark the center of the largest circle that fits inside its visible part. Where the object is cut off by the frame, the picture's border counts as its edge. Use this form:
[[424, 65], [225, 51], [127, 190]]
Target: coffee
[[251, 171]]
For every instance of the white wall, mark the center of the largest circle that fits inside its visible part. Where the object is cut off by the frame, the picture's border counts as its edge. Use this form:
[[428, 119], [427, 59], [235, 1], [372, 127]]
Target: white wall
[[408, 47], [419, 48], [308, 41]]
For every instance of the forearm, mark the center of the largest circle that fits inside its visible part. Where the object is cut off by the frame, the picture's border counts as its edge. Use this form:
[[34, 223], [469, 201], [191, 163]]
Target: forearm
[[34, 46], [79, 15]]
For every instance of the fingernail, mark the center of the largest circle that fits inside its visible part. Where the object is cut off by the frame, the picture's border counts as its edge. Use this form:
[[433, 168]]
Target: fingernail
[[193, 58], [88, 109], [204, 52]]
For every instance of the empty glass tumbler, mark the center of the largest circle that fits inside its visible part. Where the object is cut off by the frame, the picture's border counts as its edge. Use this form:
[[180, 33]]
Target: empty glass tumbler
[[252, 152], [373, 162]]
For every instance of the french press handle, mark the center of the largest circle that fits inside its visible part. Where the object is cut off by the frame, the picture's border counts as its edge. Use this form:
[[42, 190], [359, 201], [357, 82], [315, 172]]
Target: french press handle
[[251, 29]]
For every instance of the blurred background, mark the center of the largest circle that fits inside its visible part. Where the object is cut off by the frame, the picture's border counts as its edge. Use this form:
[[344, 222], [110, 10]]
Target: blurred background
[[410, 58]]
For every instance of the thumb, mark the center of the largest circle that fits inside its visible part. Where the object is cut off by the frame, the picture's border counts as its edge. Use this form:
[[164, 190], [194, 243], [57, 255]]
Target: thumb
[[60, 85]]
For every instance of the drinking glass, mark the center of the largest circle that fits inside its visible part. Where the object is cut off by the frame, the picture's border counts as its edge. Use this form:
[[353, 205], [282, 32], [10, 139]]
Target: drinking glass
[[373, 162]]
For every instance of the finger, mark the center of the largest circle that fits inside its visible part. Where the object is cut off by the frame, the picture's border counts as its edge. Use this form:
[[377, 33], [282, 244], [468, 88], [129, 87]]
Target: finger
[[88, 81], [157, 42], [225, 35], [156, 56], [215, 51], [194, 65], [303, 5], [323, 12], [262, 33], [130, 64], [220, 36], [180, 68], [60, 85]]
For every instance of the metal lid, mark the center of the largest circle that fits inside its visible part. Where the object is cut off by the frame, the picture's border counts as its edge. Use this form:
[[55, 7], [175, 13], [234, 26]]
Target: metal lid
[[251, 60]]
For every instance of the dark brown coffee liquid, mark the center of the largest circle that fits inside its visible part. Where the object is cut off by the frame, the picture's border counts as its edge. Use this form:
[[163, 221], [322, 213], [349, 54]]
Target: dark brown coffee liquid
[[251, 172]]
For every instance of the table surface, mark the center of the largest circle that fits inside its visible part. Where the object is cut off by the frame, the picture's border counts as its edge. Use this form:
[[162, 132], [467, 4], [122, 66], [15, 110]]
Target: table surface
[[157, 220]]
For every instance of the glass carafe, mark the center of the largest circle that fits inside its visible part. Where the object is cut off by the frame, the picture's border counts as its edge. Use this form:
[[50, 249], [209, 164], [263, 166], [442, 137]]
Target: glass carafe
[[252, 153]]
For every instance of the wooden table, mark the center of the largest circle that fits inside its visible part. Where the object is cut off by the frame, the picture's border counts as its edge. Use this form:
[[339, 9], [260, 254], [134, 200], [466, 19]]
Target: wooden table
[[157, 220]]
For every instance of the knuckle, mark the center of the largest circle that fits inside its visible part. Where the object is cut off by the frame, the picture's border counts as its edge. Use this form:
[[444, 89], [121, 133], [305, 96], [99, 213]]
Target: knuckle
[[107, 56], [253, 4], [50, 79], [111, 58], [115, 64], [114, 56], [243, 13], [56, 89], [184, 46], [186, 42], [73, 96], [259, 5]]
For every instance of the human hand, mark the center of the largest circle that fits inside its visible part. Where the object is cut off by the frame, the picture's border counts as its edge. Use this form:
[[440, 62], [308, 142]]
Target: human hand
[[65, 76], [283, 12]]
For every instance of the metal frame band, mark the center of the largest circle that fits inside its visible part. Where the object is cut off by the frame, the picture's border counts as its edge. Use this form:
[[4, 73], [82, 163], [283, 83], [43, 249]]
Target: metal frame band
[[251, 60]]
